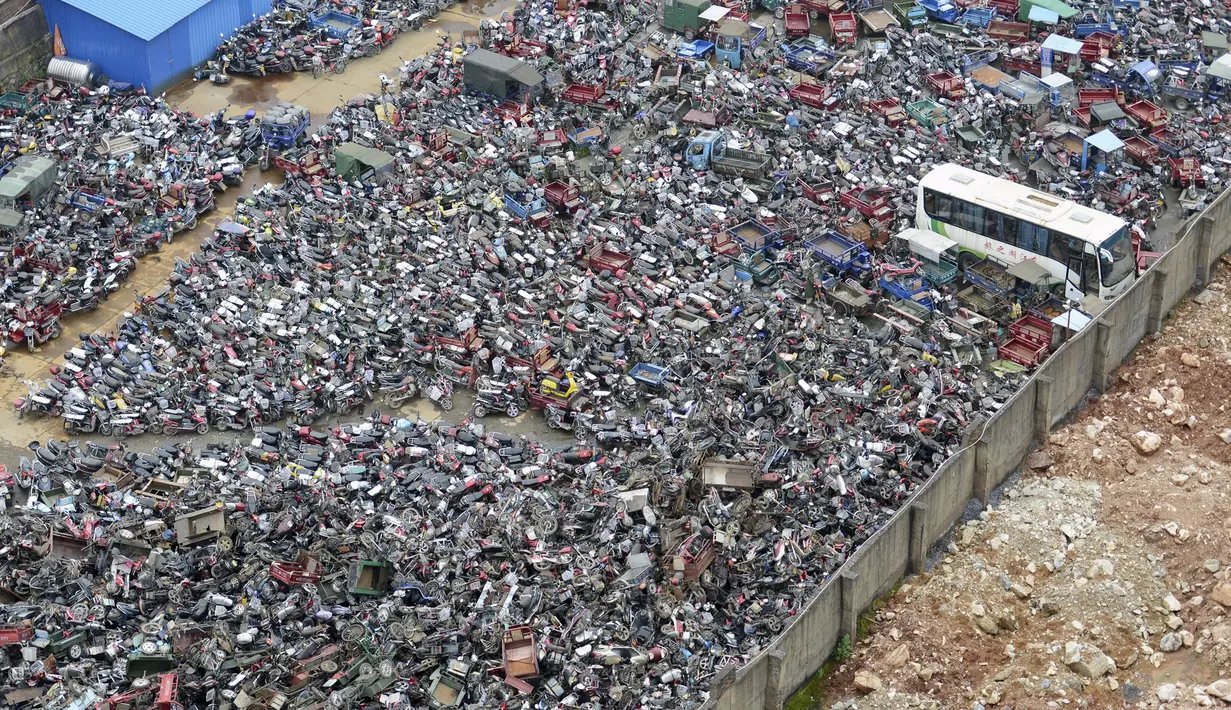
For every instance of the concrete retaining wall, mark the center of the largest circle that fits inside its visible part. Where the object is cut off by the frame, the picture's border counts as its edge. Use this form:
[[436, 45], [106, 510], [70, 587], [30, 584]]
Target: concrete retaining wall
[[25, 46], [1085, 362]]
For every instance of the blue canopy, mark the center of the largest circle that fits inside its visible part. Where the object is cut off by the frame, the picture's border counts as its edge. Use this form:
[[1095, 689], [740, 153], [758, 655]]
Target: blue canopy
[[1105, 141], [1061, 44], [1042, 14]]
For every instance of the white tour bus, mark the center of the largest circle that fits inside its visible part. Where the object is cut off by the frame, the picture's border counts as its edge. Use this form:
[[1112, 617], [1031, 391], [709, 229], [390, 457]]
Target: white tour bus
[[988, 216]]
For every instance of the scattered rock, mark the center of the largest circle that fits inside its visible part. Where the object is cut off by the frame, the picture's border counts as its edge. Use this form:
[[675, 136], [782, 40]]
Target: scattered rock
[[1179, 479], [927, 672], [1048, 607], [1212, 565], [867, 682], [898, 656], [1021, 591], [1069, 531], [1219, 689], [1204, 298], [1157, 397], [1039, 460], [987, 625], [1171, 603], [1170, 643], [1147, 442], [1101, 568], [1190, 360], [1168, 692], [1093, 663], [1204, 478], [1225, 436], [1222, 594]]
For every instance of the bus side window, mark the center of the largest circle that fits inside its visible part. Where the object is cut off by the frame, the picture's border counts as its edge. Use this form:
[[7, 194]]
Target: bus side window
[[1003, 227], [1032, 237], [969, 216], [939, 206]]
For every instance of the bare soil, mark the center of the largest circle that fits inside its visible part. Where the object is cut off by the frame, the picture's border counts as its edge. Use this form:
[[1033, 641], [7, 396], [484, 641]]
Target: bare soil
[[1093, 583]]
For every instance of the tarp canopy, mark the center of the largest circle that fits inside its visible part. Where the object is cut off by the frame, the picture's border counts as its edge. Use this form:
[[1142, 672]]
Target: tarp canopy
[[1074, 320], [1042, 14], [1105, 141], [1213, 40], [1062, 44], [1106, 112], [1055, 81], [714, 13], [10, 219], [32, 175], [1030, 272], [1055, 6], [491, 73], [354, 160], [926, 243], [1221, 67]]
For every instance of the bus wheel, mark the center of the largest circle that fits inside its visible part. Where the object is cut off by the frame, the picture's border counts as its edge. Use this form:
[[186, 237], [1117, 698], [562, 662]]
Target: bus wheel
[[965, 260]]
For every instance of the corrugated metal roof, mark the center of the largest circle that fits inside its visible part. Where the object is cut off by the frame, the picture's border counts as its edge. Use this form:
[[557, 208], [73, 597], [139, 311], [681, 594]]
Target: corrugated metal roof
[[144, 18]]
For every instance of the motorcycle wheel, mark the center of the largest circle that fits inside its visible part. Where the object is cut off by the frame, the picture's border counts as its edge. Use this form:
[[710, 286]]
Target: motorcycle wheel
[[203, 428], [168, 430], [446, 404], [512, 411], [579, 433], [339, 67], [480, 411], [104, 429], [344, 410]]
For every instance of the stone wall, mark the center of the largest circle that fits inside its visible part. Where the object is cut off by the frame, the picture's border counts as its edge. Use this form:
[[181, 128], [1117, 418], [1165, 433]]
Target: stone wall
[[25, 41]]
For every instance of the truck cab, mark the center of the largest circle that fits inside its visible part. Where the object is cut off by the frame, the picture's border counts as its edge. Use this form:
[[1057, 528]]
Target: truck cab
[[706, 148], [732, 38], [689, 17]]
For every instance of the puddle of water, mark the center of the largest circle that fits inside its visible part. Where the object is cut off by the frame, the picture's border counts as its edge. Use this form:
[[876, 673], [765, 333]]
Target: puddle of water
[[259, 93]]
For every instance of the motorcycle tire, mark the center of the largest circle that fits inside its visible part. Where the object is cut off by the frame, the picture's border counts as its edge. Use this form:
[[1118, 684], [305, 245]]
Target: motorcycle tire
[[339, 67], [512, 411], [168, 430], [203, 428], [446, 404], [104, 429], [480, 411], [344, 410], [579, 433]]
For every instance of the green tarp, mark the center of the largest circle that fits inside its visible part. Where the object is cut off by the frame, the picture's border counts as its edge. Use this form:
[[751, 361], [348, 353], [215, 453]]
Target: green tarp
[[1064, 11], [355, 160], [497, 75], [32, 175]]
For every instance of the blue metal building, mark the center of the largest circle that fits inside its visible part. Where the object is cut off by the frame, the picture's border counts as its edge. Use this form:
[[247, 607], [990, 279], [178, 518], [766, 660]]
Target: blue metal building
[[150, 43]]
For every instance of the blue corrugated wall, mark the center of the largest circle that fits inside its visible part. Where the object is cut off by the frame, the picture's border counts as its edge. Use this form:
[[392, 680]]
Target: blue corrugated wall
[[163, 61], [123, 56], [192, 41]]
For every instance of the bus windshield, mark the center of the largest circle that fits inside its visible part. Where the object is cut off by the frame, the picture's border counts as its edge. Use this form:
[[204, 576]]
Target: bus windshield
[[1116, 258]]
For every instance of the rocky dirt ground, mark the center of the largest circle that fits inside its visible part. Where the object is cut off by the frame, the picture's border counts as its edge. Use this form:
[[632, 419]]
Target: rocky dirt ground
[[1100, 578]]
